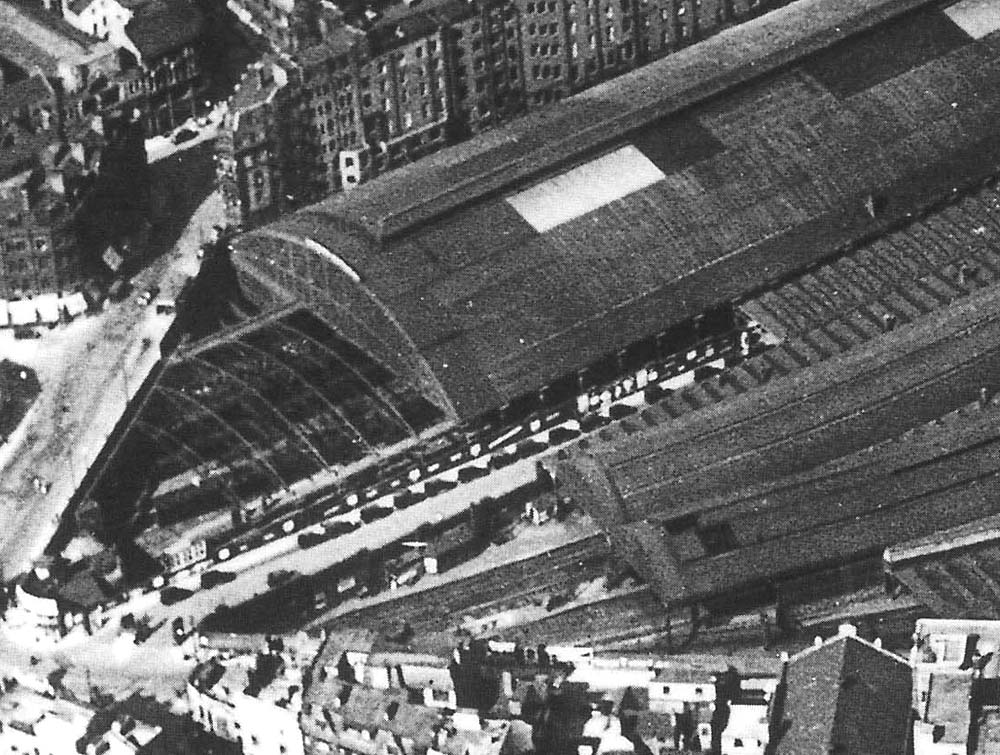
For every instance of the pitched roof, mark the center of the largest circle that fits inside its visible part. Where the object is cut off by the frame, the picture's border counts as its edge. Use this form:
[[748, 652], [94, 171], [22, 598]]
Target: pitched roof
[[85, 589], [735, 192], [36, 39], [79, 6], [163, 26], [24, 93], [645, 548], [846, 696]]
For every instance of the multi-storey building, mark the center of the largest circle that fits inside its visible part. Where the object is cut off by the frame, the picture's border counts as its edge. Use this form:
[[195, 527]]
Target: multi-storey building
[[41, 184], [254, 699], [488, 74], [159, 76], [255, 139], [396, 86], [110, 59]]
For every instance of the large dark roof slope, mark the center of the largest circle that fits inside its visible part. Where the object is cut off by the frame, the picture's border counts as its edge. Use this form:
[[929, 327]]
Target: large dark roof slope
[[772, 176], [846, 696], [164, 26]]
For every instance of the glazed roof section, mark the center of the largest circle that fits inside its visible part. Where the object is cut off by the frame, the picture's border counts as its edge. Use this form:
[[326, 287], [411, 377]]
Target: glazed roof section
[[758, 182]]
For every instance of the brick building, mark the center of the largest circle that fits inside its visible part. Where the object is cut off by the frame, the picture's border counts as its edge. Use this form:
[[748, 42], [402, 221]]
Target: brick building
[[252, 150], [41, 184], [382, 90], [110, 59]]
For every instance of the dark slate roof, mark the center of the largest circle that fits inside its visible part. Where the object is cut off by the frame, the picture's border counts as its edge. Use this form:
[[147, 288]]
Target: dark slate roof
[[86, 590], [402, 23], [79, 6], [643, 546], [163, 26], [849, 697], [760, 181], [24, 93]]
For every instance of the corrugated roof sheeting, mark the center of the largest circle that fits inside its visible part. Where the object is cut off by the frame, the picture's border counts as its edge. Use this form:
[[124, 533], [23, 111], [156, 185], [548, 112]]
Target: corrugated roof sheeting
[[518, 309]]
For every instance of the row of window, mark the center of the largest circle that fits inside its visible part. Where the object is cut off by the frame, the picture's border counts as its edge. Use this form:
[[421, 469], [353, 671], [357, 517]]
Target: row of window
[[549, 7], [21, 245]]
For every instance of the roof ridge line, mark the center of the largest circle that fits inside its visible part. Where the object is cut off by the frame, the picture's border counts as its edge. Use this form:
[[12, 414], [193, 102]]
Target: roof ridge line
[[605, 131]]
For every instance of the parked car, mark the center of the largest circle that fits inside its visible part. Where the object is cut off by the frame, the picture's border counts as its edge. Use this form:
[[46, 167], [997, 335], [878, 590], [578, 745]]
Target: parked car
[[559, 435], [370, 513], [211, 579], [177, 627], [438, 485], [280, 577], [184, 135], [171, 595], [341, 528], [654, 393], [26, 334], [620, 411], [471, 472], [310, 539], [501, 460], [592, 422], [529, 448], [407, 498]]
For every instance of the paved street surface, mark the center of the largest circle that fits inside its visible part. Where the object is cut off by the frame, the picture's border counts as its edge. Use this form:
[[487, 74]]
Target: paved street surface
[[112, 662], [87, 369]]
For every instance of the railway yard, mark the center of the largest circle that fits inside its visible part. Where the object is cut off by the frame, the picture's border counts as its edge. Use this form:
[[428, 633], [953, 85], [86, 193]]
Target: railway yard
[[769, 409]]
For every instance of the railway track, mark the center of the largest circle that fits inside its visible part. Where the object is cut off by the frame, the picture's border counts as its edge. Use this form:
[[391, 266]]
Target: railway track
[[517, 583], [954, 483], [838, 410]]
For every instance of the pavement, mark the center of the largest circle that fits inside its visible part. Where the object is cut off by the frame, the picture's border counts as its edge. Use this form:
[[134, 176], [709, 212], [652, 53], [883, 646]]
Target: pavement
[[88, 370], [110, 660]]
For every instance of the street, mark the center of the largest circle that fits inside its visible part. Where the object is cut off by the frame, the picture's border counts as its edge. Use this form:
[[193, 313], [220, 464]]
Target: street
[[88, 370]]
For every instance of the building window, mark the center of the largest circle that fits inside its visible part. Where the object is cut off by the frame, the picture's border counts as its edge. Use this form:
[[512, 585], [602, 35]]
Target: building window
[[419, 52]]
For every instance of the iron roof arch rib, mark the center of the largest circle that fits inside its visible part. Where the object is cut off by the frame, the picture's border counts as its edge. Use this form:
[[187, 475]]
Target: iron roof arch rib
[[309, 384], [415, 356], [255, 453], [383, 396], [160, 434], [277, 412]]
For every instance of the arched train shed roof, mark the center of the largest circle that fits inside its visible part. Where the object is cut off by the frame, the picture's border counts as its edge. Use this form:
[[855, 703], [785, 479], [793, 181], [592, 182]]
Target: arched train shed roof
[[497, 266]]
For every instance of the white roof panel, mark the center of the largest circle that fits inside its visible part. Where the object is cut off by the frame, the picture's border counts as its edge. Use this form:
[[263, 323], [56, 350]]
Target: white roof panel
[[585, 188]]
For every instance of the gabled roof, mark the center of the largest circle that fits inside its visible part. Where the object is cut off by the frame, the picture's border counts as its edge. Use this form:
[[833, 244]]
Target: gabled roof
[[79, 6], [643, 546], [846, 697], [33, 39], [24, 93], [86, 590], [162, 26]]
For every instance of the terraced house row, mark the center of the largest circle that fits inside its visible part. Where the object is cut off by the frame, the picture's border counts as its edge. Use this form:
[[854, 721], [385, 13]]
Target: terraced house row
[[346, 98]]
